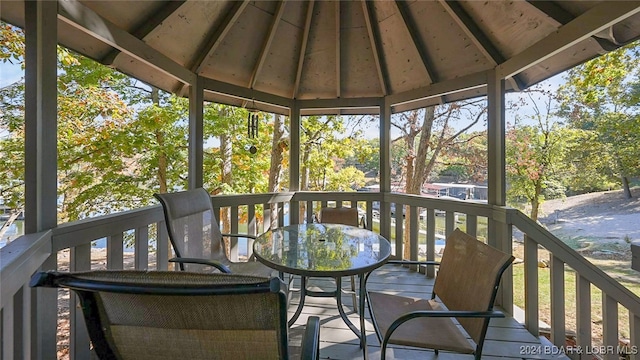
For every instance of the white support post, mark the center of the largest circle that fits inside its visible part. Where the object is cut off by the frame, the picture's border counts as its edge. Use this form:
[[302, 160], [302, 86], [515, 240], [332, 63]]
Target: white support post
[[294, 160], [499, 233], [196, 133], [41, 156], [385, 166]]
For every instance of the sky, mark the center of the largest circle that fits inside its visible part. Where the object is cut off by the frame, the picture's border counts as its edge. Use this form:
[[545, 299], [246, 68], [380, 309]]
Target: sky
[[9, 73]]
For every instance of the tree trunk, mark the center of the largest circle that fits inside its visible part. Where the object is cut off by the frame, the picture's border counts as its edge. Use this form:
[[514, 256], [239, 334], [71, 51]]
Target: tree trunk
[[226, 168], [417, 167], [625, 187], [162, 156]]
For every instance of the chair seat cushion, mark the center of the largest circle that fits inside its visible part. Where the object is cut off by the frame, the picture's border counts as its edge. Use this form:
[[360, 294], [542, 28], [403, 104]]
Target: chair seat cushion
[[426, 332]]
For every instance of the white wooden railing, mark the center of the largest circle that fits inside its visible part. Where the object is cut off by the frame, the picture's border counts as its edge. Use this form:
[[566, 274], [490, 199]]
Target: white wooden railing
[[29, 316]]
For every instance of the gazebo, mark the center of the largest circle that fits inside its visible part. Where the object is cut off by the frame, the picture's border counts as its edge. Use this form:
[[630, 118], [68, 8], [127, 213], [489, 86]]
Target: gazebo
[[301, 58]]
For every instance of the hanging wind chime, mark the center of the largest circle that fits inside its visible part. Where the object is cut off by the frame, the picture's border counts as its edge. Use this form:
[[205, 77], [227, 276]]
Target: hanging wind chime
[[252, 129]]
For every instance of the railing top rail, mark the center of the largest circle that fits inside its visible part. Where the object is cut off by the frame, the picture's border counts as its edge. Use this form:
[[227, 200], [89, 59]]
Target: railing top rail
[[586, 269], [19, 259], [467, 206], [76, 233]]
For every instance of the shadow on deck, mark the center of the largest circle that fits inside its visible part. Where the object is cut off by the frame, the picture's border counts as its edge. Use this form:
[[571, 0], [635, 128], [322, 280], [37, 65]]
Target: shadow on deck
[[506, 338]]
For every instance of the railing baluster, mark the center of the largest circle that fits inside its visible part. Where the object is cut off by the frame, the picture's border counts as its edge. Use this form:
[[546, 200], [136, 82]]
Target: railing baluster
[[79, 260], [162, 246], [431, 241], [8, 332], [558, 331], [251, 227], [309, 210], [472, 225], [610, 326], [413, 232], [399, 230], [583, 312], [233, 241], [115, 253], [634, 336], [450, 222], [141, 248], [531, 285], [44, 321]]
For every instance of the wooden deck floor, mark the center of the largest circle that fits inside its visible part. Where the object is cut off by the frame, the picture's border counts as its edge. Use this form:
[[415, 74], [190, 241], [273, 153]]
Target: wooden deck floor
[[506, 338]]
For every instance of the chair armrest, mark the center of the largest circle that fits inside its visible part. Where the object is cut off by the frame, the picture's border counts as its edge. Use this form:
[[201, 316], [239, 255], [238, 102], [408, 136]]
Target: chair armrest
[[311, 340], [220, 266], [412, 262], [240, 235]]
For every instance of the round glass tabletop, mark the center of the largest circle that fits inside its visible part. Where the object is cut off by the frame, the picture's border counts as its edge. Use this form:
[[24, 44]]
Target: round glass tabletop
[[322, 250]]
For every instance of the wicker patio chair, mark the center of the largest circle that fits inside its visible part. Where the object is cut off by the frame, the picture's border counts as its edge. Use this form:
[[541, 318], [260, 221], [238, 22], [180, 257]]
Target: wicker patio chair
[[465, 289], [181, 315], [344, 216], [196, 237]]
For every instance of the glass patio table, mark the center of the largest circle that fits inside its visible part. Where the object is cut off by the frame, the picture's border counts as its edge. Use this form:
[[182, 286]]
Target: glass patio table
[[324, 250]]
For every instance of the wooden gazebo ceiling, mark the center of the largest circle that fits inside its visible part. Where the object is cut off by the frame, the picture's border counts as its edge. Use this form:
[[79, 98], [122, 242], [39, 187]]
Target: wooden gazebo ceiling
[[354, 51]]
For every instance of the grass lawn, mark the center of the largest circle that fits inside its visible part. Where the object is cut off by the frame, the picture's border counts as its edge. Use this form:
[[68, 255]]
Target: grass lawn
[[544, 298]]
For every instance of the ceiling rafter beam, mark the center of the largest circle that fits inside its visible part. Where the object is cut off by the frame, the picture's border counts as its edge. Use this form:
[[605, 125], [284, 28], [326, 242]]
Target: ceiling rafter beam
[[419, 45], [374, 37], [338, 80], [563, 17], [86, 20], [267, 43], [245, 94], [216, 36], [591, 22], [477, 36], [303, 48], [468, 82], [146, 26]]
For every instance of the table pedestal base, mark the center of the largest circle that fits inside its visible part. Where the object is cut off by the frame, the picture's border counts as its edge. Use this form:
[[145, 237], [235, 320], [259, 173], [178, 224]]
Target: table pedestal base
[[337, 294]]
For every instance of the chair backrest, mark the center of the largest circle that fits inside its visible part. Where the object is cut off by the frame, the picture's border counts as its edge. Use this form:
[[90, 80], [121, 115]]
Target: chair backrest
[[341, 215], [468, 279], [179, 315], [192, 226]]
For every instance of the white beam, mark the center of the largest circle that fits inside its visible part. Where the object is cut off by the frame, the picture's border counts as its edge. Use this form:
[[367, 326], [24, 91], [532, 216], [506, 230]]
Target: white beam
[[340, 103], [246, 93], [267, 44], [86, 20], [196, 134], [467, 82], [596, 19], [41, 116]]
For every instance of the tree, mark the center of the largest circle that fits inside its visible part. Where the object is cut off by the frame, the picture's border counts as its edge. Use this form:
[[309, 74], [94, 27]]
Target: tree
[[426, 134], [601, 96], [536, 148], [323, 146]]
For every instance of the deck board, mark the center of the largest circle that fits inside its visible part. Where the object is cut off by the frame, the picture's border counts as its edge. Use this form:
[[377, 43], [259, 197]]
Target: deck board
[[506, 338]]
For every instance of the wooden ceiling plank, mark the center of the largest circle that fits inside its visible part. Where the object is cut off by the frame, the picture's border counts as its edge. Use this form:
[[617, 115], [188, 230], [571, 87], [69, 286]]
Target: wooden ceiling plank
[[477, 36], [419, 45], [267, 43], [216, 36], [374, 37], [303, 48], [591, 22], [86, 20], [563, 17], [338, 80], [146, 26]]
